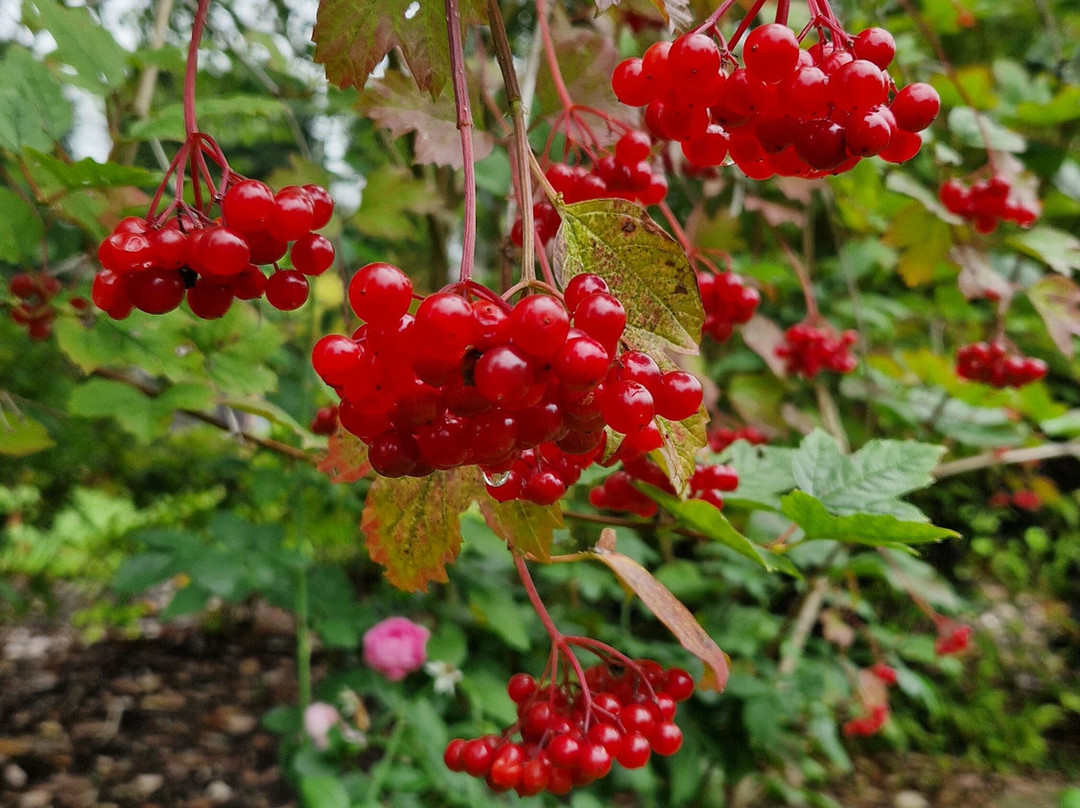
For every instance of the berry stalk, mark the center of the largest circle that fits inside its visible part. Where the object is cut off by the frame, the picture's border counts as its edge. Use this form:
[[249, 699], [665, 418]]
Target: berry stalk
[[465, 126]]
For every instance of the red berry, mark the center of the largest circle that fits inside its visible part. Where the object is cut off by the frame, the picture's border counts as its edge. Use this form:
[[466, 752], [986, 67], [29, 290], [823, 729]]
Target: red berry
[[445, 325], [915, 107], [454, 756], [678, 396], [771, 52], [293, 215], [666, 738], [581, 286], [379, 293], [209, 299], [539, 325], [248, 206], [520, 687], [634, 751], [286, 290], [312, 254], [156, 291], [627, 406], [679, 684], [322, 206]]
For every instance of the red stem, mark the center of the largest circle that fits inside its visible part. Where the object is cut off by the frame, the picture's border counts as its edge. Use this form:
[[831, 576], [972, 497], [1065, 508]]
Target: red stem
[[783, 8], [715, 17], [744, 24], [190, 125], [465, 126], [549, 54]]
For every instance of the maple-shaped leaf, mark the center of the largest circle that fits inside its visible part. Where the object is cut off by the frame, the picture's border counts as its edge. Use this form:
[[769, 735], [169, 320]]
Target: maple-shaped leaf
[[352, 36], [1057, 300], [346, 459], [677, 12], [672, 613], [644, 267], [528, 527], [412, 524], [395, 103]]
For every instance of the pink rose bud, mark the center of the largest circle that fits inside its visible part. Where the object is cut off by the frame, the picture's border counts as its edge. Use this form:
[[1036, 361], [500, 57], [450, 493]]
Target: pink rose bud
[[319, 717], [395, 647]]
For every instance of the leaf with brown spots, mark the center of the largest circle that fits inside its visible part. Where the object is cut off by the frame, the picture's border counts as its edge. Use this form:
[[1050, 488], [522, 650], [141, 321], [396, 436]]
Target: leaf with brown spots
[[412, 526], [645, 268], [528, 527], [346, 459], [672, 613]]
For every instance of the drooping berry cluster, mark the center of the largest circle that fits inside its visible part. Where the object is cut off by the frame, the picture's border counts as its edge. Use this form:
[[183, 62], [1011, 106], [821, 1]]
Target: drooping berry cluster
[[987, 202], [728, 302], [482, 382], [952, 637], [808, 349], [870, 723], [540, 475], [786, 110], [325, 421], [710, 483], [152, 264], [625, 173], [722, 437], [989, 363], [618, 493], [570, 735], [35, 310]]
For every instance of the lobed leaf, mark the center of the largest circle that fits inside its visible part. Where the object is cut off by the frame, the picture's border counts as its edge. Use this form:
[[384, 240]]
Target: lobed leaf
[[412, 526], [875, 530], [529, 527], [352, 36], [346, 459], [672, 613]]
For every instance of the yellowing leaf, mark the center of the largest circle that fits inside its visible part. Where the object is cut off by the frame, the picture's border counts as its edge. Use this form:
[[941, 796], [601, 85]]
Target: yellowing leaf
[[352, 36], [682, 441], [346, 459], [411, 524], [645, 268], [395, 103], [528, 527], [924, 242], [673, 614]]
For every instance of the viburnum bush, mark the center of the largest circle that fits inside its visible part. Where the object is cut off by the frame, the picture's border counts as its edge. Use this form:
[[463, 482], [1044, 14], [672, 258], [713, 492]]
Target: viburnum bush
[[574, 317]]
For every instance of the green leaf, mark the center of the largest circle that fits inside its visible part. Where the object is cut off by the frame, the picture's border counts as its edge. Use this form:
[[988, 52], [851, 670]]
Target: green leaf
[[190, 599], [708, 520], [871, 480], [964, 123], [21, 436], [1057, 249], [528, 527], [644, 267], [33, 110], [221, 112], [21, 229], [682, 442], [393, 202], [875, 530], [412, 524], [352, 36], [88, 173], [1066, 425], [133, 411], [323, 791], [81, 43], [496, 609], [140, 572], [1062, 108], [923, 241], [764, 473]]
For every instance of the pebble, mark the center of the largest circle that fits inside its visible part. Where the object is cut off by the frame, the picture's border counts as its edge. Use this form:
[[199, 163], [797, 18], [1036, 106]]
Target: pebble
[[219, 792], [910, 799], [14, 776]]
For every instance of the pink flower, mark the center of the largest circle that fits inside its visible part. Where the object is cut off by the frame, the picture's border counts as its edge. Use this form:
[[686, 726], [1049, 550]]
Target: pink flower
[[395, 647], [319, 717]]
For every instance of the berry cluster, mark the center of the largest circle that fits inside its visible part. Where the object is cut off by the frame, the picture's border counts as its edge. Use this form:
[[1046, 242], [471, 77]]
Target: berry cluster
[[870, 723], [728, 302], [1025, 500], [987, 362], [571, 735], [325, 421], [152, 264], [808, 349], [625, 173], [482, 382], [786, 110], [35, 309], [618, 493], [987, 202], [952, 637], [710, 483], [722, 437]]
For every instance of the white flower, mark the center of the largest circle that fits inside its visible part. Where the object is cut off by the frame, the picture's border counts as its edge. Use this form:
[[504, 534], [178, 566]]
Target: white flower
[[446, 676]]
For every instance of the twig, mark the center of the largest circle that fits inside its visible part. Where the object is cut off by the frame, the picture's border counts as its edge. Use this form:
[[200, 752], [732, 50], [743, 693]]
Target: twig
[[1047, 451]]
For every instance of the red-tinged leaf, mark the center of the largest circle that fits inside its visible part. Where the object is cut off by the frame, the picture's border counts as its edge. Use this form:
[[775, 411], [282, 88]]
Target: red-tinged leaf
[[528, 527], [412, 527], [977, 278], [352, 36], [677, 12], [645, 268], [1057, 299], [395, 103], [672, 613], [763, 336], [346, 459]]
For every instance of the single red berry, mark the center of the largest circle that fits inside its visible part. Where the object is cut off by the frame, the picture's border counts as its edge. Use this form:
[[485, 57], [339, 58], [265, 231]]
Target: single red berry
[[520, 687], [293, 215], [581, 286], [666, 738], [445, 326], [602, 317], [539, 325], [209, 299], [594, 760], [312, 254], [477, 756], [634, 751], [771, 52], [627, 406], [454, 756], [379, 293], [286, 290], [248, 206], [916, 106], [678, 396], [632, 87], [679, 684], [322, 206], [875, 45], [156, 291]]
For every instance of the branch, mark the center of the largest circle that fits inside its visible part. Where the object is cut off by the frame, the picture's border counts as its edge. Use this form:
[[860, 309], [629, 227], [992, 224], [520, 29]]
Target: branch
[[1047, 451], [465, 127]]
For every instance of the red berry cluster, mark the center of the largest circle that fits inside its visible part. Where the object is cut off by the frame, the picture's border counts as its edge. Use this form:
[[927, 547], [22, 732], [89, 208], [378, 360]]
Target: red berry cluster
[[728, 302], [539, 475], [987, 202], [1025, 500], [952, 638], [987, 362], [153, 264], [572, 735], [35, 309], [482, 382], [618, 493], [325, 421], [786, 110], [625, 173], [808, 349], [722, 437], [709, 483], [870, 723]]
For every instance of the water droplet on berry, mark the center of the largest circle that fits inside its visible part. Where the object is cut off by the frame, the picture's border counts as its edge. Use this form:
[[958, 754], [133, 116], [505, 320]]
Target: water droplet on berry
[[496, 478]]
